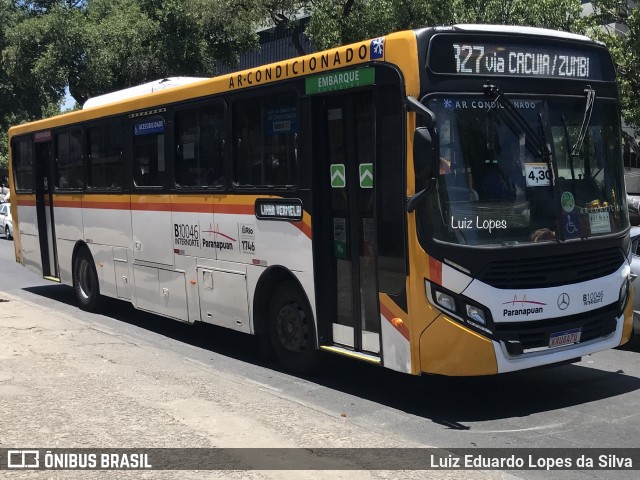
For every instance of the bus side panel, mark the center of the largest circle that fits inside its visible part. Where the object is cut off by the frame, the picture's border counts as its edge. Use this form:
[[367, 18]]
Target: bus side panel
[[67, 211], [65, 260], [253, 276], [306, 280], [27, 228], [31, 253], [28, 217], [223, 295], [68, 218], [105, 268], [188, 265], [246, 239], [151, 228], [107, 220]]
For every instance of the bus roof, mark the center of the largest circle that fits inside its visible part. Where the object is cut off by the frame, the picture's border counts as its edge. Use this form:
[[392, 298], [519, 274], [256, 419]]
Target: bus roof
[[139, 90]]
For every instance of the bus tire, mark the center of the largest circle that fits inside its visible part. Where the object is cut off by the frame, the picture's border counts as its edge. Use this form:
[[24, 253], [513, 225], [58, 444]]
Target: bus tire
[[85, 281], [292, 330]]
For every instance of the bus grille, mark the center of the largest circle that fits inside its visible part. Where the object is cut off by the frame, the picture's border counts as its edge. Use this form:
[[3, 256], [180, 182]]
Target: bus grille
[[553, 270], [522, 336]]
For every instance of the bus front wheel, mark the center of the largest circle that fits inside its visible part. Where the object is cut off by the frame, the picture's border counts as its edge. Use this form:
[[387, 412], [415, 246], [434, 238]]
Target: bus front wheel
[[292, 330], [85, 281]]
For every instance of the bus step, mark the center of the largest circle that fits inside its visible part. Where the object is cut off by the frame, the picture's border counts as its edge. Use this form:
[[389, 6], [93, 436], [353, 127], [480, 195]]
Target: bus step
[[365, 357], [53, 279]]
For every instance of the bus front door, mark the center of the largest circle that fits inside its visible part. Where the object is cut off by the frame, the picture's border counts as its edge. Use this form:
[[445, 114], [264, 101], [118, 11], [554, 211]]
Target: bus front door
[[44, 205], [344, 174]]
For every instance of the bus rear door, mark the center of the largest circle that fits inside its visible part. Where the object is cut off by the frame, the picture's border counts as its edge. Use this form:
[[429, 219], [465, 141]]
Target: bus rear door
[[44, 203]]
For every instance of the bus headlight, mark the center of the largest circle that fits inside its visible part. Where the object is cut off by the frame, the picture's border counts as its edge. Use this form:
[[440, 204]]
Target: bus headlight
[[445, 301], [624, 294], [460, 308], [475, 314]]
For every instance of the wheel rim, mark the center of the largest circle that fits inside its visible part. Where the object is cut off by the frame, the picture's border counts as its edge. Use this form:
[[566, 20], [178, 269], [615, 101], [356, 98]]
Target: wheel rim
[[84, 279], [292, 327]]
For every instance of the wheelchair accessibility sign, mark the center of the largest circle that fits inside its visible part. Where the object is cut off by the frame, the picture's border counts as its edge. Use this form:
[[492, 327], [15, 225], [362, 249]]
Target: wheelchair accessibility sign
[[571, 225]]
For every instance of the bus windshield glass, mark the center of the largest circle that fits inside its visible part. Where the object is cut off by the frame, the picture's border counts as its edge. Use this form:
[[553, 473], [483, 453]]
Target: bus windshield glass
[[495, 187]]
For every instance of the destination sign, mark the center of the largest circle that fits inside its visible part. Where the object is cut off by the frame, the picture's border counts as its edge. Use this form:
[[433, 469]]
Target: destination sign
[[522, 60], [279, 209]]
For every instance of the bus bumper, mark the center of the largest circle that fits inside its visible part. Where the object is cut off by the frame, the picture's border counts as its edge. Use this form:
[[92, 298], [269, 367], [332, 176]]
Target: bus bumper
[[449, 348]]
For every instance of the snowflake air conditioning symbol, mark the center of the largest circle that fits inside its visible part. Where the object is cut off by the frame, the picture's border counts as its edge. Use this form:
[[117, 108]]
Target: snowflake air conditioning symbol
[[377, 48], [448, 103]]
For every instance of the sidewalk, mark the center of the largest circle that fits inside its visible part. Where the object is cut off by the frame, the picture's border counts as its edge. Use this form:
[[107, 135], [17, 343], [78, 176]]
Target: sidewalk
[[65, 383]]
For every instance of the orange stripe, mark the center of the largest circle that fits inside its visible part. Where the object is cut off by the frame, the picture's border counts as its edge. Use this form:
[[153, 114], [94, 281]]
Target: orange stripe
[[389, 316], [237, 209], [435, 270], [67, 203], [154, 207], [303, 227], [104, 205], [192, 207]]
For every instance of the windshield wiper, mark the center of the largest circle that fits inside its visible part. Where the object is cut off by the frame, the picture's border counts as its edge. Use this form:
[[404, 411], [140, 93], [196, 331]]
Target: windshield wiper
[[568, 147], [536, 139], [586, 119]]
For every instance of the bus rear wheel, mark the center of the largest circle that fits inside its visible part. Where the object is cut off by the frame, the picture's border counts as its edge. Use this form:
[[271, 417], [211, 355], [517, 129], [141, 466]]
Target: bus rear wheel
[[292, 330], [85, 281]]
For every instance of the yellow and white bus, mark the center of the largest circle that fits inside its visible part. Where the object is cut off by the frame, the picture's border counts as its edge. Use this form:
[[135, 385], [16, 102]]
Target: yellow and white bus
[[447, 200]]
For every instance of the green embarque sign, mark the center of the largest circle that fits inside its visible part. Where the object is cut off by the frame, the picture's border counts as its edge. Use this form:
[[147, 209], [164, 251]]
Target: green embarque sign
[[328, 82]]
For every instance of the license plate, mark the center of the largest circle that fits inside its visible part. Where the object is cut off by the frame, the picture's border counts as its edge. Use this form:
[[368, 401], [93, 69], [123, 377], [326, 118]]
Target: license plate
[[565, 338]]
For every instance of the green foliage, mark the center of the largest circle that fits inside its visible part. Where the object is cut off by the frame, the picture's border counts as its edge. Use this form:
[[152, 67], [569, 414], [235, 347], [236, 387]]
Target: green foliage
[[619, 28], [97, 46], [554, 14], [336, 22], [4, 161]]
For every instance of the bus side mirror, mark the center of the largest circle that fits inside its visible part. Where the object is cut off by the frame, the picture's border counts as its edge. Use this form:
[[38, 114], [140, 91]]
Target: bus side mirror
[[425, 155]]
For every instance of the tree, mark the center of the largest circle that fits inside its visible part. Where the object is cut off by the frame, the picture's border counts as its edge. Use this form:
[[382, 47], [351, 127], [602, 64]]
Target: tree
[[97, 46], [618, 26], [554, 14], [336, 22]]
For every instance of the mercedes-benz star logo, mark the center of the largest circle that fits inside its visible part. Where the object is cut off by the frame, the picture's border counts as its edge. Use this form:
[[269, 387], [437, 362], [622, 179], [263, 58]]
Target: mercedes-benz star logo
[[563, 301]]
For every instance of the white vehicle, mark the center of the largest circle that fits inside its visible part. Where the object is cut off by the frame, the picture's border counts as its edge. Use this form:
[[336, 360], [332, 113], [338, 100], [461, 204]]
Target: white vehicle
[[6, 223], [447, 200], [635, 272]]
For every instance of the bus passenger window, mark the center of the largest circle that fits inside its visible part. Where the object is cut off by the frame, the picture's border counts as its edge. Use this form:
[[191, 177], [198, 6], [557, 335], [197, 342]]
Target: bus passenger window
[[69, 167], [265, 132], [148, 153], [105, 157], [23, 164], [200, 142]]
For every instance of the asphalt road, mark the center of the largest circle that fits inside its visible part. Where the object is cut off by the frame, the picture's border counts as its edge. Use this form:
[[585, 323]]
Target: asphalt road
[[594, 403]]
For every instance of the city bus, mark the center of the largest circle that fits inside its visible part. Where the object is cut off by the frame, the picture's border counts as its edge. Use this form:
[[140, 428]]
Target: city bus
[[447, 200]]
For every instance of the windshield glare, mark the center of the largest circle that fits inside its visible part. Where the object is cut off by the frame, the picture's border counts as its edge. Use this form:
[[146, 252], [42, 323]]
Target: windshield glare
[[494, 187]]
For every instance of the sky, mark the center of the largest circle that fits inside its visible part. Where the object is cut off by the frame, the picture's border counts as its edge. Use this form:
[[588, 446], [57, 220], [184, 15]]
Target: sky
[[68, 102]]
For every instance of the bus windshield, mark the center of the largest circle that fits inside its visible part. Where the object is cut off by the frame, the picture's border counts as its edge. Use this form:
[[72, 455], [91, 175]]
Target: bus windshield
[[497, 187]]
